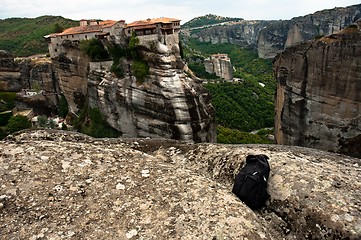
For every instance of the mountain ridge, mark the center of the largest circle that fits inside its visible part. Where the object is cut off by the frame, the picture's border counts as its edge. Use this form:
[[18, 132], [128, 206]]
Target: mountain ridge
[[269, 37], [24, 36]]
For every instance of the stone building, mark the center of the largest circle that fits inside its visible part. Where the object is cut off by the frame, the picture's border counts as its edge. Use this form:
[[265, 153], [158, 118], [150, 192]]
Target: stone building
[[219, 64], [111, 29], [163, 26]]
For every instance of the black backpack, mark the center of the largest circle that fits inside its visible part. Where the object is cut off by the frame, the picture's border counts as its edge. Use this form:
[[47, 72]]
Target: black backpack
[[251, 182]]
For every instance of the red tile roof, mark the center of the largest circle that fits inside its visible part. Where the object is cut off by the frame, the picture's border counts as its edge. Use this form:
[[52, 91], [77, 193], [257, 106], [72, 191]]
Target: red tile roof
[[152, 21], [87, 28]]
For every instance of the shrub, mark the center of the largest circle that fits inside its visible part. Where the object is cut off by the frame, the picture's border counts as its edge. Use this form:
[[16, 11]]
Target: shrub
[[95, 49], [233, 136], [92, 123], [42, 121], [51, 123], [140, 70], [117, 69], [2, 133], [58, 28], [63, 106], [9, 99], [64, 127], [98, 127], [132, 46], [4, 117], [17, 123]]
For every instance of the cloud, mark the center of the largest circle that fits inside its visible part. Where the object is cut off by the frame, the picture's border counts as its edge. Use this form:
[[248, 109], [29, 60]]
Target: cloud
[[131, 10]]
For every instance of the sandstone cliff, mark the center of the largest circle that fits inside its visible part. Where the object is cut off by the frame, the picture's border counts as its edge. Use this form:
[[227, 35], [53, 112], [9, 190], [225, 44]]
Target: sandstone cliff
[[166, 103], [220, 65], [318, 101], [36, 75], [271, 37], [10, 77], [62, 185]]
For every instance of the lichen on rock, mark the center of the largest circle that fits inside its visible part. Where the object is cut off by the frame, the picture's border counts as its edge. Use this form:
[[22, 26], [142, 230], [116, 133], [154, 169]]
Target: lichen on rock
[[58, 185]]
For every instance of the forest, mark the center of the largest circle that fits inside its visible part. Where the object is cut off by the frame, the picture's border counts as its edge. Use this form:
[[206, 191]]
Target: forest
[[24, 36], [241, 106]]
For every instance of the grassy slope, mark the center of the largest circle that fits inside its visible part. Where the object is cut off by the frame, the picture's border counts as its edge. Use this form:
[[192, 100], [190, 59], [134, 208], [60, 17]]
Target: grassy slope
[[24, 36]]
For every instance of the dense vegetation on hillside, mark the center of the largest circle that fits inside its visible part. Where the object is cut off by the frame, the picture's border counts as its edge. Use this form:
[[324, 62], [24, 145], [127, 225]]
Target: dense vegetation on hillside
[[241, 106], [208, 20], [24, 36]]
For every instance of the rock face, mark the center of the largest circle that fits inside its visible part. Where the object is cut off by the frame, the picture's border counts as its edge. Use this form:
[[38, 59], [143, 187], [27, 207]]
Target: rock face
[[166, 104], [10, 77], [243, 33], [271, 37], [220, 65], [36, 75], [70, 75], [62, 185], [318, 101]]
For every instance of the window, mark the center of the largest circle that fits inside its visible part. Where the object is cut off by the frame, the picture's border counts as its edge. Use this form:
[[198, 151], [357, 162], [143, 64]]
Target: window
[[55, 50], [86, 37]]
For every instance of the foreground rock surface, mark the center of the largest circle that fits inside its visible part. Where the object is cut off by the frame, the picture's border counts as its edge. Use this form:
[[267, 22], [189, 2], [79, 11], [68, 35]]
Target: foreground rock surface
[[62, 185]]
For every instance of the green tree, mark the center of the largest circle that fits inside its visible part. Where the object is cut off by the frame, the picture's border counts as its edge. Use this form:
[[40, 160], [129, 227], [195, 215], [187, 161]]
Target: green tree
[[140, 69], [42, 121], [132, 46], [7, 101], [95, 49], [51, 123], [17, 123], [96, 125], [63, 106], [58, 28]]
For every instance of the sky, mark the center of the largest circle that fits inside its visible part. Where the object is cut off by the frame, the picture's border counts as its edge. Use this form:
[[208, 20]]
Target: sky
[[185, 10]]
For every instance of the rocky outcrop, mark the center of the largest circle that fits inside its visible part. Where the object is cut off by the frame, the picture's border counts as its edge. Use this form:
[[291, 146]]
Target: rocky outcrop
[[166, 103], [58, 185], [220, 65], [33, 74], [318, 101], [10, 77], [243, 33], [282, 34], [271, 37]]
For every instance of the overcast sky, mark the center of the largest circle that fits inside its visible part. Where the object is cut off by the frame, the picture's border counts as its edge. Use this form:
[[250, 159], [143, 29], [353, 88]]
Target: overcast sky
[[131, 10]]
